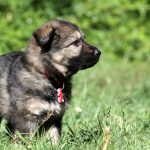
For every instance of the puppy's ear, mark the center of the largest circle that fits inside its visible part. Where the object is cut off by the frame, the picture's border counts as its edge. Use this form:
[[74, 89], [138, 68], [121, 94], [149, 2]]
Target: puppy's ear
[[44, 36]]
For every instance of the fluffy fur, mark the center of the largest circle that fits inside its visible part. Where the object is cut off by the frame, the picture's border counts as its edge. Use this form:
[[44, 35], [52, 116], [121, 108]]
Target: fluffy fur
[[28, 98]]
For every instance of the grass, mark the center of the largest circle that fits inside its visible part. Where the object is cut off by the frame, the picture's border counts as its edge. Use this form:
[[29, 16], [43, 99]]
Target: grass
[[114, 94]]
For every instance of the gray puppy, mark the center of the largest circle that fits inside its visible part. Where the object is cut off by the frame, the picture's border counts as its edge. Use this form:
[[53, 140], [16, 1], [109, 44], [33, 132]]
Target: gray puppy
[[35, 85]]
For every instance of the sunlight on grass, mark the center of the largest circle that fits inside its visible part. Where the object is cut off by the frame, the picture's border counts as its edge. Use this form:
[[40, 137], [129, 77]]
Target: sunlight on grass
[[114, 94]]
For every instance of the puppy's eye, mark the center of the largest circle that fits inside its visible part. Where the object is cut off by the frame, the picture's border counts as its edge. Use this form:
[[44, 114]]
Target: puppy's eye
[[77, 42]]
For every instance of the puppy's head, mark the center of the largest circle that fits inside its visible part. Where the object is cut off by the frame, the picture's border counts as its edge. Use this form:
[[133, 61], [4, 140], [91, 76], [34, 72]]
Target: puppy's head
[[62, 44]]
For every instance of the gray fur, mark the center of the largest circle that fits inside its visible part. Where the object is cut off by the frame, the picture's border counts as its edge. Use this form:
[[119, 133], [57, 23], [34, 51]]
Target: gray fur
[[26, 96]]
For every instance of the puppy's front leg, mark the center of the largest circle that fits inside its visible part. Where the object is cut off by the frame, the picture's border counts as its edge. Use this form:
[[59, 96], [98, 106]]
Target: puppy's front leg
[[54, 135], [54, 132]]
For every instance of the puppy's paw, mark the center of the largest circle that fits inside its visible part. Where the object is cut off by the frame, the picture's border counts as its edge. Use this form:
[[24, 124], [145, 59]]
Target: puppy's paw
[[54, 135]]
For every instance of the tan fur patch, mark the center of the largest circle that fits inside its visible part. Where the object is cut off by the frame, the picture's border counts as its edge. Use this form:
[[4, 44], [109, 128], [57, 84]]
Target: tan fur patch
[[29, 79], [54, 135], [4, 102], [61, 58], [34, 56], [36, 107]]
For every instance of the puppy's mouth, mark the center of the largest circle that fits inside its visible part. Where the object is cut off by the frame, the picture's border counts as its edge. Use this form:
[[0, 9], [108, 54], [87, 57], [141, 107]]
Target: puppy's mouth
[[89, 62], [83, 62]]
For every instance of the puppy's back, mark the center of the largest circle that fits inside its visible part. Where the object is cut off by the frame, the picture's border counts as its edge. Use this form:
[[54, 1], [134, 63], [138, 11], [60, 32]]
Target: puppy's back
[[6, 65]]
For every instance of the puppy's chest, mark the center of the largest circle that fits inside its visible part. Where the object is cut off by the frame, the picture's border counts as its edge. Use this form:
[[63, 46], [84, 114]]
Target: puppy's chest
[[55, 111], [50, 101], [45, 109]]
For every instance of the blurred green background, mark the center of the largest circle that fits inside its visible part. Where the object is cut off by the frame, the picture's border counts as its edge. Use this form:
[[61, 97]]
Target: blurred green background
[[119, 27]]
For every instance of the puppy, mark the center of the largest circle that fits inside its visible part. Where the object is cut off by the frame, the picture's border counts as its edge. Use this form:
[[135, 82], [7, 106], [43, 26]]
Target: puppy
[[35, 85]]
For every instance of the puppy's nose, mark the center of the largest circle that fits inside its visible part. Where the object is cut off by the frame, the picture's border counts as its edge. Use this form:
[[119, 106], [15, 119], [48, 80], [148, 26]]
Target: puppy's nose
[[97, 52]]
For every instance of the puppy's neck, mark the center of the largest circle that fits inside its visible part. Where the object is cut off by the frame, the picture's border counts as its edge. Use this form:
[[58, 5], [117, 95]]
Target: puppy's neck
[[33, 56], [56, 81]]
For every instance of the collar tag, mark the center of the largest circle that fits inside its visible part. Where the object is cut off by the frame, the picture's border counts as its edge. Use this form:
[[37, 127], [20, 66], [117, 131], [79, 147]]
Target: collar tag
[[60, 96]]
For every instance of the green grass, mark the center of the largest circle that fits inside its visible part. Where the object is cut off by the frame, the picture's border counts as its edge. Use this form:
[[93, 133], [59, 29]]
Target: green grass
[[114, 93]]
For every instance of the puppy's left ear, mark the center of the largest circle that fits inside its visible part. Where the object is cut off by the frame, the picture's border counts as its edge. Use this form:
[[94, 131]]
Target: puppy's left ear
[[44, 36]]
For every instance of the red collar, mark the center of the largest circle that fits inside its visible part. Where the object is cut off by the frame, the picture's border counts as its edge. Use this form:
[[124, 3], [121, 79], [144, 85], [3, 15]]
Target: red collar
[[54, 81], [58, 86], [46, 76]]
